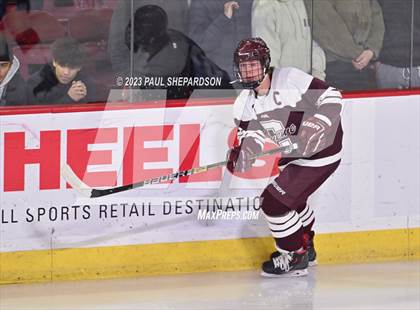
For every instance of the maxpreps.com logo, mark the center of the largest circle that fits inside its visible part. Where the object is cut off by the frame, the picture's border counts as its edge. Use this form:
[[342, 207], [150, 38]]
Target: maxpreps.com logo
[[229, 208], [207, 215]]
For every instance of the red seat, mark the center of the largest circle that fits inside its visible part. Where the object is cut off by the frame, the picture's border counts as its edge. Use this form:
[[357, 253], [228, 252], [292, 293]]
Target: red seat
[[18, 28], [46, 26], [60, 12], [36, 27], [33, 34], [90, 25], [91, 28]]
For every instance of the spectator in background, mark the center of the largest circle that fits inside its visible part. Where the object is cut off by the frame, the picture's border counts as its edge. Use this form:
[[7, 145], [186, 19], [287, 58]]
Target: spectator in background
[[166, 53], [284, 26], [217, 27], [12, 86], [351, 34], [177, 10], [21, 5], [62, 81], [393, 66], [3, 5], [29, 5]]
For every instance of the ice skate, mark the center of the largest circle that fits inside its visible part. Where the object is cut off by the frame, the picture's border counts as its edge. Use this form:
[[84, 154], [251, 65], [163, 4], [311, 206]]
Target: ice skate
[[286, 264], [310, 248]]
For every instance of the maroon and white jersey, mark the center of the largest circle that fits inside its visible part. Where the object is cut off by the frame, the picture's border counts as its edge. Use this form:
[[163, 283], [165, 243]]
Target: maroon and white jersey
[[293, 97]]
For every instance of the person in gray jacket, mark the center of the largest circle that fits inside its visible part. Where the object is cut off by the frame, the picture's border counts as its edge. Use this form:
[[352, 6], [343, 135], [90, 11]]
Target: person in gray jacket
[[351, 34], [217, 26], [177, 11], [393, 68]]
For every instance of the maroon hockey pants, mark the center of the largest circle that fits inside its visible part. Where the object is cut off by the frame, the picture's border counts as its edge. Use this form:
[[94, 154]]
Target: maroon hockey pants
[[284, 203]]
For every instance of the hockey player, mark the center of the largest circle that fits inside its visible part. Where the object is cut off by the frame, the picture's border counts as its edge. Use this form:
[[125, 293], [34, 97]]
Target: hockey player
[[287, 106]]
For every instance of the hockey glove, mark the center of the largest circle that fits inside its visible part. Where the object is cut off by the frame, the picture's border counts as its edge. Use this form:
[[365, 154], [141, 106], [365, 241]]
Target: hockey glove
[[312, 136], [239, 158]]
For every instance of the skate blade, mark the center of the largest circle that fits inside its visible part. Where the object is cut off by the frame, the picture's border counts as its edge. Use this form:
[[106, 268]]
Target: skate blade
[[313, 263], [290, 274]]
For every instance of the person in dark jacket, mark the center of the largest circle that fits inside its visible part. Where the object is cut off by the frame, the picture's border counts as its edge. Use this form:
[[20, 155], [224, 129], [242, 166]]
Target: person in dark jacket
[[174, 61], [12, 85], [27, 5], [217, 27], [177, 11], [393, 68], [62, 81]]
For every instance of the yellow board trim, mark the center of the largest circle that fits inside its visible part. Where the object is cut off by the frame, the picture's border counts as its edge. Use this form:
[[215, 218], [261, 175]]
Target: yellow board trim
[[200, 256]]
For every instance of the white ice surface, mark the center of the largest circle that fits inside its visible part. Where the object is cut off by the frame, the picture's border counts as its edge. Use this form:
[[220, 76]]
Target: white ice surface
[[365, 286]]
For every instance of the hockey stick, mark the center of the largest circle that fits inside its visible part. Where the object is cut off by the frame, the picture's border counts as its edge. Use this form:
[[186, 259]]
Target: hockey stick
[[77, 184]]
